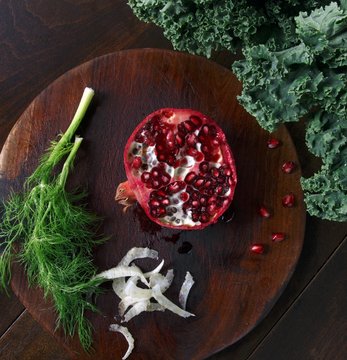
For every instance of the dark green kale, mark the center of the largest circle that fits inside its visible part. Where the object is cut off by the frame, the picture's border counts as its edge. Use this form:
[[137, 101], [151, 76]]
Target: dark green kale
[[202, 26], [282, 86]]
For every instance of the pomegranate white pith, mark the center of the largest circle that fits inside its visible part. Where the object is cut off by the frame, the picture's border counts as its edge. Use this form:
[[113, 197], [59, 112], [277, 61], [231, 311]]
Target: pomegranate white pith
[[179, 168]]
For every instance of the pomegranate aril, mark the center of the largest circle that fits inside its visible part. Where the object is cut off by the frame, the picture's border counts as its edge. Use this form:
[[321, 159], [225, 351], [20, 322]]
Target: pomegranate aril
[[199, 156], [189, 125], [212, 200], [211, 209], [168, 113], [161, 211], [184, 196], [258, 248], [273, 143], [161, 157], [137, 162], [204, 218], [264, 212], [288, 167], [179, 140], [146, 177], [154, 203], [161, 194], [219, 189], [205, 149], [182, 130], [195, 216], [155, 184], [278, 236], [176, 186], [191, 140], [215, 172], [288, 200], [165, 178], [192, 152], [205, 130], [199, 182], [225, 170], [165, 202], [203, 167], [195, 203], [203, 200], [215, 143], [195, 120]]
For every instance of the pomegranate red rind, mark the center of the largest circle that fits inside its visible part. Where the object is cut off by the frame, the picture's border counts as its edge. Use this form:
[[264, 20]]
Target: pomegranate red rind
[[179, 168]]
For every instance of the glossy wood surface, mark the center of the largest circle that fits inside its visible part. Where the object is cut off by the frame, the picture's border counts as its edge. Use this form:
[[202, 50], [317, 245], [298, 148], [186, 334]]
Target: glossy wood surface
[[40, 41], [235, 288]]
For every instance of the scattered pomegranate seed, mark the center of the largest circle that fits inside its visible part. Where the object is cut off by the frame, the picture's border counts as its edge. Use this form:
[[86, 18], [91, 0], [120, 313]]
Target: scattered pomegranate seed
[[288, 200], [288, 167], [258, 248], [264, 212], [273, 143], [277, 237]]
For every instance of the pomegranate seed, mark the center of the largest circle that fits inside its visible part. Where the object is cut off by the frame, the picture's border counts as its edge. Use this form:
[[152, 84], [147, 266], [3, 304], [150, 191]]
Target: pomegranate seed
[[195, 217], [161, 157], [161, 211], [155, 184], [195, 120], [192, 152], [208, 184], [204, 218], [264, 212], [165, 179], [225, 170], [215, 143], [199, 182], [179, 140], [137, 162], [288, 200], [189, 125], [199, 156], [161, 193], [273, 143], [212, 200], [154, 203], [146, 177], [277, 237], [184, 196], [203, 201], [219, 189], [165, 202], [288, 167], [195, 203], [190, 177], [211, 209], [191, 140], [215, 172], [258, 248], [168, 113], [155, 172], [205, 129], [205, 149], [203, 167], [176, 186]]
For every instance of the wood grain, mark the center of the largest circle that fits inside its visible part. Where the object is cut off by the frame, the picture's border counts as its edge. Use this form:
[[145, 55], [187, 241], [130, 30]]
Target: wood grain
[[25, 340], [318, 328], [236, 288]]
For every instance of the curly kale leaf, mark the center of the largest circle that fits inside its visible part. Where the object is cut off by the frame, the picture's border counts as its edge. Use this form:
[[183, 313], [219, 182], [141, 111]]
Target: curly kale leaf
[[326, 191], [202, 26], [282, 86]]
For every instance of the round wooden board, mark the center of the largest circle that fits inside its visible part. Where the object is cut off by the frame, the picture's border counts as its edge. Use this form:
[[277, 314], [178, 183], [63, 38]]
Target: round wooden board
[[234, 287]]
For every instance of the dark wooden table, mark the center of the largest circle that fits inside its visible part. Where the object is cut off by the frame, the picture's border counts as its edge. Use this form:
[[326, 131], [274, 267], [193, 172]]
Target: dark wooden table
[[40, 40]]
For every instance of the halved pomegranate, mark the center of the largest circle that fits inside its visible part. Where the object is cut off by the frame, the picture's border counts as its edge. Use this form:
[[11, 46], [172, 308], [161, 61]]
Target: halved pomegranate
[[179, 168]]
